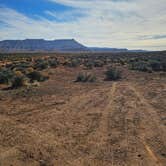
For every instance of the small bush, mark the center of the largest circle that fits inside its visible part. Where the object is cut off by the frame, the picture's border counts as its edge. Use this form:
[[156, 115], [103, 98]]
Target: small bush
[[3, 78], [98, 63], [141, 66], [21, 66], [18, 81], [18, 73], [73, 63], [113, 74], [89, 65], [29, 70], [84, 77], [163, 64], [41, 64], [53, 63], [155, 65], [36, 76], [6, 76]]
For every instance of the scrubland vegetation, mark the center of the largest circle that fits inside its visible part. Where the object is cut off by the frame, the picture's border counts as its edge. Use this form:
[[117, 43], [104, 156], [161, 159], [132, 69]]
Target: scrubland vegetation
[[113, 74], [19, 70], [21, 73], [83, 109], [85, 77]]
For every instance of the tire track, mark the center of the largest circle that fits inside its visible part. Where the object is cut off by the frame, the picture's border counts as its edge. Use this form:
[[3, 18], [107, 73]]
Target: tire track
[[105, 114], [103, 152], [151, 113], [151, 153]]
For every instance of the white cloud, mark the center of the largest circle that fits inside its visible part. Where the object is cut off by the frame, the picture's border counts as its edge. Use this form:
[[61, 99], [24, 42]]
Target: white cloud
[[67, 16], [120, 23]]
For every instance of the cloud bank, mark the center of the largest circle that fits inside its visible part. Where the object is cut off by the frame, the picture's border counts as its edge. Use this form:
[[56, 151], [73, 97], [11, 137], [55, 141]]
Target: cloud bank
[[110, 23]]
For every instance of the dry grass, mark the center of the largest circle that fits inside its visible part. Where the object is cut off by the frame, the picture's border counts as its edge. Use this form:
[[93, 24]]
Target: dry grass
[[64, 123]]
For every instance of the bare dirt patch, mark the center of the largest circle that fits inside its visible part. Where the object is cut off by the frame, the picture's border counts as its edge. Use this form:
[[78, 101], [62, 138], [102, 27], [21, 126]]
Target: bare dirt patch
[[64, 123]]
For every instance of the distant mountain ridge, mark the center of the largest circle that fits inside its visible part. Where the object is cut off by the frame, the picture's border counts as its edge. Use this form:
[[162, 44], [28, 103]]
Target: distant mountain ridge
[[62, 45], [106, 49]]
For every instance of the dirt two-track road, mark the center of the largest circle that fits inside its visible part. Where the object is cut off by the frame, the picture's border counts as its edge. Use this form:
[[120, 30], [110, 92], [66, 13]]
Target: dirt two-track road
[[85, 124]]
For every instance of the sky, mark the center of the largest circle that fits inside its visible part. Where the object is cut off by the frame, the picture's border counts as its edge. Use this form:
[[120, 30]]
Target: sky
[[132, 24]]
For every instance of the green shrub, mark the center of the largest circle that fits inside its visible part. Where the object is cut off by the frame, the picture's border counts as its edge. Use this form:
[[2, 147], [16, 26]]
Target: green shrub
[[155, 65], [36, 76], [91, 78], [41, 64], [149, 65], [122, 61], [141, 66], [3, 78], [113, 74], [84, 77], [53, 63], [89, 65], [73, 63], [98, 63], [22, 66], [18, 81], [163, 64], [6, 76]]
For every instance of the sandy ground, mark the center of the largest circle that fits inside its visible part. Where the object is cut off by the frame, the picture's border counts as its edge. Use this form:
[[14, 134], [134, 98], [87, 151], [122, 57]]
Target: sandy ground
[[63, 123]]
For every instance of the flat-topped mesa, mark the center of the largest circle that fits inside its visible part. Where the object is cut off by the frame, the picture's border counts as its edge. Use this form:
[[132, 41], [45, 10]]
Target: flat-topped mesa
[[61, 45]]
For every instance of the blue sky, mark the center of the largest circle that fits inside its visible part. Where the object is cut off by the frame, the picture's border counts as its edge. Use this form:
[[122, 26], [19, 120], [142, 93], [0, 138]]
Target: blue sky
[[132, 24]]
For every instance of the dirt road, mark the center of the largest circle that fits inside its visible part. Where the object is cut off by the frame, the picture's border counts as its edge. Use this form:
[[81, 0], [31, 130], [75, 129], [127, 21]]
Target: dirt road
[[111, 124]]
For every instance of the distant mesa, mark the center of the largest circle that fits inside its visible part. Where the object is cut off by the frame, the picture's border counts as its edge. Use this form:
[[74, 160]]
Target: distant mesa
[[34, 45], [41, 45]]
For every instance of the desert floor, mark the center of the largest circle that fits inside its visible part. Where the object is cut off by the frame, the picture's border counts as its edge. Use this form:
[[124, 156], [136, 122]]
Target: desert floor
[[106, 123]]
